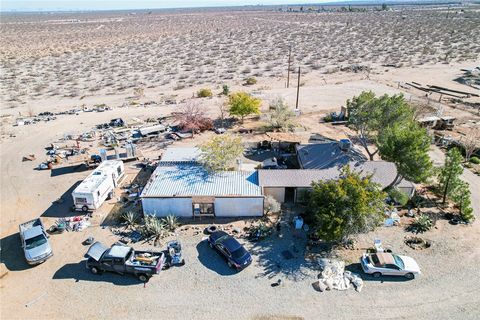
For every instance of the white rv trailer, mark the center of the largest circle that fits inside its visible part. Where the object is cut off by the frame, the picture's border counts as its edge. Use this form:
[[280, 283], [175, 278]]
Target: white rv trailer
[[98, 186]]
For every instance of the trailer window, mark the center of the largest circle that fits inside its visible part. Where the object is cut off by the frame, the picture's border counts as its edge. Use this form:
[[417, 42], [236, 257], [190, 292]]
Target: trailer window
[[119, 170], [98, 193], [80, 200]]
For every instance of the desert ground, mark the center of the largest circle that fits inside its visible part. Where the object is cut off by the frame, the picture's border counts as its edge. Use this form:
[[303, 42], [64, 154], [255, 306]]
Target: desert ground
[[56, 62]]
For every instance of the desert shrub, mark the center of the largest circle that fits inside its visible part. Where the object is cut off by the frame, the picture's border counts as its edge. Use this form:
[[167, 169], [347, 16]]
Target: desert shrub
[[225, 90], [129, 218], [398, 196], [170, 223], [272, 205], [475, 160], [204, 93], [250, 81], [421, 224]]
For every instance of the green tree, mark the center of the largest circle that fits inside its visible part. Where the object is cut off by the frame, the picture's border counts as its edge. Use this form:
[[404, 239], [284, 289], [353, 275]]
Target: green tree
[[407, 145], [369, 115], [281, 116], [220, 153], [242, 104], [449, 175], [345, 207], [461, 196]]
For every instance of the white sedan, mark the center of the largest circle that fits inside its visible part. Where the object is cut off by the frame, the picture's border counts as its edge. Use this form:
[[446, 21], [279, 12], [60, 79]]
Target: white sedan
[[388, 264]]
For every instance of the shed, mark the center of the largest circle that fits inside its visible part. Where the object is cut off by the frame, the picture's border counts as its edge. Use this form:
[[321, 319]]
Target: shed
[[189, 190]]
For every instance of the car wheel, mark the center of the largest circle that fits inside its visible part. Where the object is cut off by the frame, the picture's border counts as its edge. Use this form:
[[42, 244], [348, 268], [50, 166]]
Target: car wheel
[[409, 276], [143, 277], [85, 209], [94, 270], [182, 263], [377, 274]]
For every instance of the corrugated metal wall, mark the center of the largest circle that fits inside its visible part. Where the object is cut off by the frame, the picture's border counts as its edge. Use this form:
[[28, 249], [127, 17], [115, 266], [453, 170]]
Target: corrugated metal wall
[[238, 207], [162, 207]]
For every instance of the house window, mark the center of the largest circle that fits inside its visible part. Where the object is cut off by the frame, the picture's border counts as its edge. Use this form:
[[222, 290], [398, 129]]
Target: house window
[[119, 170], [80, 200], [203, 209]]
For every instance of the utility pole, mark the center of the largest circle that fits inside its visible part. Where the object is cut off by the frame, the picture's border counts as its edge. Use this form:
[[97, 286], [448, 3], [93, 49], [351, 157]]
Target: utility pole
[[298, 89], [289, 62]]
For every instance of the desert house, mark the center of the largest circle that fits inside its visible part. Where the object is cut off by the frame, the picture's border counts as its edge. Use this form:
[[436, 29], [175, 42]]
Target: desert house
[[324, 161], [189, 190], [182, 187]]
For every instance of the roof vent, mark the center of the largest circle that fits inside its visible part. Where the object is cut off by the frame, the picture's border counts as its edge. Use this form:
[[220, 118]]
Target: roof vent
[[344, 144]]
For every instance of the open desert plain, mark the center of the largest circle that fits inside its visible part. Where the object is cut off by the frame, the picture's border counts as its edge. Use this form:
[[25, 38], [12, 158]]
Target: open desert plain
[[65, 75]]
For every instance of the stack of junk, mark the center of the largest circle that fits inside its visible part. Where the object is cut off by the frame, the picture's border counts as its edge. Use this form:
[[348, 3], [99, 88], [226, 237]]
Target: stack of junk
[[334, 276]]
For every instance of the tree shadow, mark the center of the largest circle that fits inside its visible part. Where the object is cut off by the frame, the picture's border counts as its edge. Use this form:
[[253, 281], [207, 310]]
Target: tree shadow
[[62, 208], [357, 268], [283, 254], [213, 260], [78, 272], [12, 253]]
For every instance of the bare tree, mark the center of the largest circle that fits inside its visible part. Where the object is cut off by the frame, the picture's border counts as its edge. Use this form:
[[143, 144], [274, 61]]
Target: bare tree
[[471, 142], [191, 118]]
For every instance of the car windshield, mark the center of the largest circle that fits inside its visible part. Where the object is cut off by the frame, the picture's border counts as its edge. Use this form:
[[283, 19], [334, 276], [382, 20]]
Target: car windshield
[[240, 252], [399, 262], [35, 241]]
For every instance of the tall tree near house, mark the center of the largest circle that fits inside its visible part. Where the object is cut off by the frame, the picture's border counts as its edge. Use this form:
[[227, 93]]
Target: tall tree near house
[[449, 175], [345, 207], [461, 196], [220, 153], [242, 104], [190, 117], [369, 115], [407, 145]]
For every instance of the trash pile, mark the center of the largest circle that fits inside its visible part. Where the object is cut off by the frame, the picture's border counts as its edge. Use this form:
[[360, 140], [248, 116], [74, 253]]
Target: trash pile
[[334, 276], [77, 223]]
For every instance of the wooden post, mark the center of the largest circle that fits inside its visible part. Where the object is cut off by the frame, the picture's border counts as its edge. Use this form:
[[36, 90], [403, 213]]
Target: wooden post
[[298, 88], [289, 62]]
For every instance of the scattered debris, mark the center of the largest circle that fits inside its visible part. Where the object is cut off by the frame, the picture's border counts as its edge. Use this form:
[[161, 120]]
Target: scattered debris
[[30, 157], [334, 276], [417, 243]]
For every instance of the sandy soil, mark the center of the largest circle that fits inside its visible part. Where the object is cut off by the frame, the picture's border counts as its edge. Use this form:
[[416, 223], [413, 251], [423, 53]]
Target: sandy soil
[[61, 288]]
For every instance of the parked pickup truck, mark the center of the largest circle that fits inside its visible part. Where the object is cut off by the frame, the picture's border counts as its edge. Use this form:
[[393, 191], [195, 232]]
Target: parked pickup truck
[[35, 242], [122, 259]]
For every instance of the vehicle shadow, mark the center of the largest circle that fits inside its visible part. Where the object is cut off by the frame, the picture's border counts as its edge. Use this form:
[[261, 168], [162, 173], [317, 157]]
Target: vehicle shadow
[[63, 207], [12, 253], [357, 268], [78, 272], [212, 260], [67, 170]]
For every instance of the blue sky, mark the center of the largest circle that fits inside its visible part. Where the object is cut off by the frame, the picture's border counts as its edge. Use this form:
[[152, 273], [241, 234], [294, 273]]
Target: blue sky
[[35, 5]]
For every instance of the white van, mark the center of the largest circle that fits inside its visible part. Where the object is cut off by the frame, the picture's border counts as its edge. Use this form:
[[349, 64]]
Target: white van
[[98, 186]]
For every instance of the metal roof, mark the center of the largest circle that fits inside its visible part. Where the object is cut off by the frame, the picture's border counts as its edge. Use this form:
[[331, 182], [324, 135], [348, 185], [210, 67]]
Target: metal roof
[[382, 172], [194, 180], [326, 155], [181, 155]]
